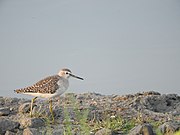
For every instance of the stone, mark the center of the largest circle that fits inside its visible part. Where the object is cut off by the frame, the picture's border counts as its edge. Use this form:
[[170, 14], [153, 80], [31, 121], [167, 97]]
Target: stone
[[145, 129], [2, 101], [135, 130], [147, 93], [6, 124], [58, 132], [32, 122], [11, 101], [31, 131], [120, 98], [142, 107], [57, 112], [4, 111], [10, 133], [19, 132], [169, 128], [104, 131], [162, 103], [24, 108], [80, 97]]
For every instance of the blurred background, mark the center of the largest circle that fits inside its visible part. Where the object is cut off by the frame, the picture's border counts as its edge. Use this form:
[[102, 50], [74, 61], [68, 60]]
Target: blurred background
[[118, 47]]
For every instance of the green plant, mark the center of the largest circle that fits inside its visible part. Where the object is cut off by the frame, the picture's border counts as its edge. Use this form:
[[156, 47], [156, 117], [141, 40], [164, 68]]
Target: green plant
[[177, 133], [158, 132], [115, 124], [81, 122], [67, 123], [128, 125]]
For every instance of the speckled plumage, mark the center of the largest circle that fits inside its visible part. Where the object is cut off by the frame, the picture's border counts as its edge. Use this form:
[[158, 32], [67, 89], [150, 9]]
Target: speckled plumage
[[50, 86], [47, 85]]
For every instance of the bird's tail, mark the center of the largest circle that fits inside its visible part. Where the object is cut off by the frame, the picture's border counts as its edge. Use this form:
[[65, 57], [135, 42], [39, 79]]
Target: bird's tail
[[19, 90], [24, 90]]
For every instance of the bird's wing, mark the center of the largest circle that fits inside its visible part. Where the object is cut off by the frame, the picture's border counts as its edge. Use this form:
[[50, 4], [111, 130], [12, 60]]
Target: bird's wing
[[46, 85]]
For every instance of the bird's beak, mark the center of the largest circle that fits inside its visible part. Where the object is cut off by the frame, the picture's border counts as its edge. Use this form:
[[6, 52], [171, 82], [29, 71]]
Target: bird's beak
[[76, 77]]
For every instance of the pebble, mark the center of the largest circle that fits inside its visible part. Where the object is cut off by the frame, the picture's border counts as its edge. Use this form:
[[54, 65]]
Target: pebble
[[144, 129], [58, 132], [31, 131], [24, 108], [10, 133], [169, 128], [6, 125], [104, 131], [32, 122], [4, 111]]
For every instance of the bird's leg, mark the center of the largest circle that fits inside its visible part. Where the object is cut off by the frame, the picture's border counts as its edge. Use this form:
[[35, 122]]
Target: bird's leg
[[51, 110], [31, 108]]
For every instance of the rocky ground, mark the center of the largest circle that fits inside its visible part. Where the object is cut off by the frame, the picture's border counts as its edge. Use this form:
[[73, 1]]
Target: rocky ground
[[147, 113]]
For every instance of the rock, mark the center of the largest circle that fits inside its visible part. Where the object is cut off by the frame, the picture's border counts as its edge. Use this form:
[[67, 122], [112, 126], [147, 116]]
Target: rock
[[24, 108], [4, 111], [169, 128], [143, 107], [2, 101], [104, 131], [120, 98], [80, 97], [135, 130], [151, 93], [31, 131], [58, 132], [57, 112], [10, 133], [6, 124], [162, 103], [19, 132], [32, 122], [145, 129], [58, 129], [11, 101]]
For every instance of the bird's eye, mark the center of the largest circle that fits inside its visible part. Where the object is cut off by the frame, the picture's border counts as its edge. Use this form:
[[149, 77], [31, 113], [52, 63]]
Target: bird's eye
[[67, 73]]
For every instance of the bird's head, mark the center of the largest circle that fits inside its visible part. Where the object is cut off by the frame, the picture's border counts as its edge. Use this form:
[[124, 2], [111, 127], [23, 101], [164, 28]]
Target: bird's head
[[66, 73]]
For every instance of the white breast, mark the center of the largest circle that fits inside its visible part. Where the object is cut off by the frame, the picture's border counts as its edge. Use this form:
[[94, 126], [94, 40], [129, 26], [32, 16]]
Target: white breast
[[63, 86]]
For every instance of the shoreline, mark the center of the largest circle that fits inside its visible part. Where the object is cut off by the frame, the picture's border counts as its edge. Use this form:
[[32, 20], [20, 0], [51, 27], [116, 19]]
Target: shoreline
[[142, 109]]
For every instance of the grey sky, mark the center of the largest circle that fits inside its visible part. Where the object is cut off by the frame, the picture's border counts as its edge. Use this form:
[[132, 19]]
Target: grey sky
[[118, 46]]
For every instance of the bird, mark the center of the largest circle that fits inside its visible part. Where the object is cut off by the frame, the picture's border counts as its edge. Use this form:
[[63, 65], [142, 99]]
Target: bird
[[49, 87]]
